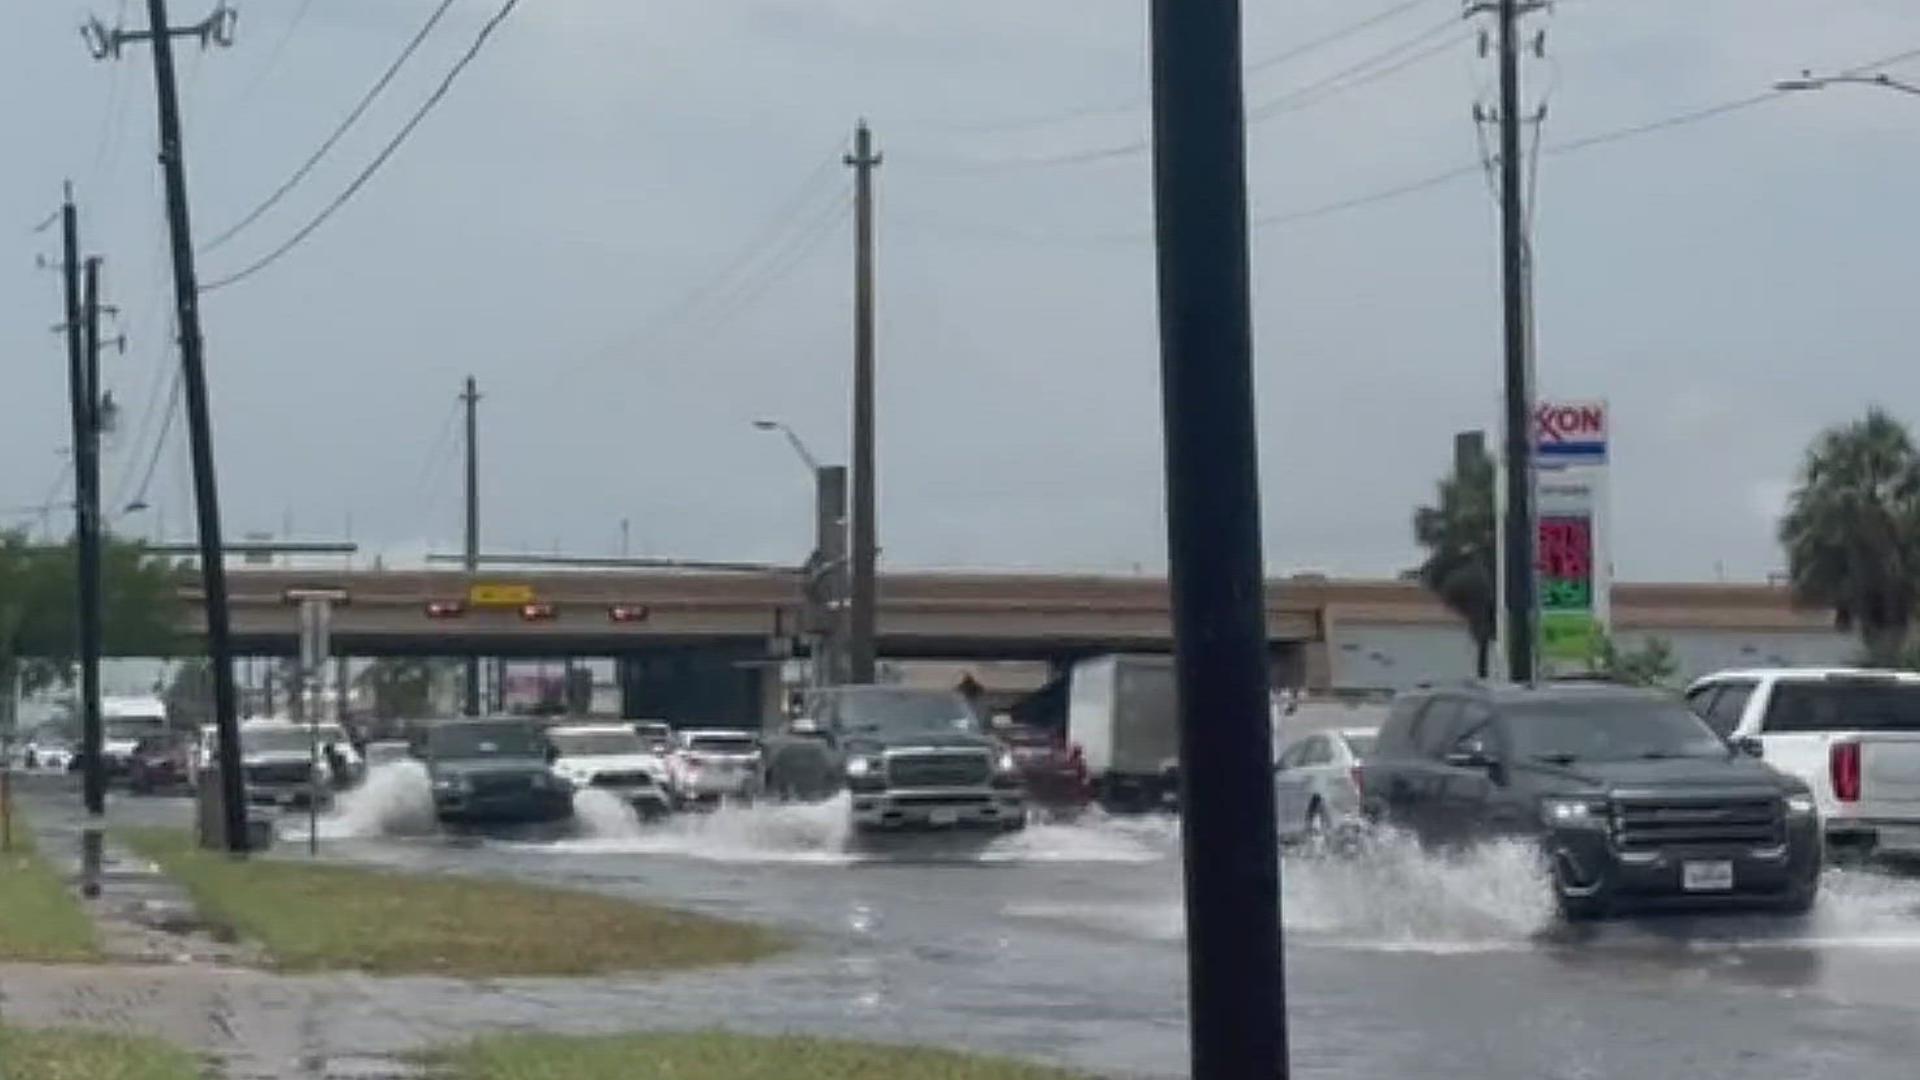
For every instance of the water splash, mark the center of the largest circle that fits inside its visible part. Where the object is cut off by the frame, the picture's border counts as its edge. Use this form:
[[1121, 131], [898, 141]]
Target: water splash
[[394, 800]]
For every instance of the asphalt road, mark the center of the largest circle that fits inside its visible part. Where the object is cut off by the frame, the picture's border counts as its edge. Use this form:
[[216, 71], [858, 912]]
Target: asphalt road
[[1064, 943]]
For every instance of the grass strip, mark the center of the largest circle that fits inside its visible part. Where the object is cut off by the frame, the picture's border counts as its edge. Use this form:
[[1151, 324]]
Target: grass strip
[[40, 917], [715, 1055], [320, 917], [87, 1055]]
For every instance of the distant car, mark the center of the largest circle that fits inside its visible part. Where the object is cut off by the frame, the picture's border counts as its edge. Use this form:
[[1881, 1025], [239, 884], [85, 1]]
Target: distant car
[[160, 762], [492, 770], [657, 734], [51, 753], [1053, 771], [1317, 786], [611, 758], [708, 765]]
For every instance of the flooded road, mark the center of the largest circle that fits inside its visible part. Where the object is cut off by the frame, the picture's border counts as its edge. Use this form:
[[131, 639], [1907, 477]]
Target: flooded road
[[1064, 944]]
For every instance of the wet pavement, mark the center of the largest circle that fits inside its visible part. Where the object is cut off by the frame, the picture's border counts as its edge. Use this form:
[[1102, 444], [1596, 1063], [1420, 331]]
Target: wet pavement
[[1064, 944]]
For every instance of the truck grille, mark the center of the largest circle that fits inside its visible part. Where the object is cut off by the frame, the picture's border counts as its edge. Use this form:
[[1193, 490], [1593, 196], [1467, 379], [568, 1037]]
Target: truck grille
[[939, 770], [493, 784], [623, 779], [1643, 824], [279, 772]]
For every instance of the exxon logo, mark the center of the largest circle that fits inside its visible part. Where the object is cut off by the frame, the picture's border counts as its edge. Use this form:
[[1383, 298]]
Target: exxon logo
[[1569, 431]]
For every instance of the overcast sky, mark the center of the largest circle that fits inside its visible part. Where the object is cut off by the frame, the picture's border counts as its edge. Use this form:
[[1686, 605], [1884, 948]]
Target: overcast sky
[[628, 221]]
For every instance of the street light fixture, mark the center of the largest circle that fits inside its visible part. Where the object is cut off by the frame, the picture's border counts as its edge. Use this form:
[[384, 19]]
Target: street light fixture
[[1809, 81], [813, 463]]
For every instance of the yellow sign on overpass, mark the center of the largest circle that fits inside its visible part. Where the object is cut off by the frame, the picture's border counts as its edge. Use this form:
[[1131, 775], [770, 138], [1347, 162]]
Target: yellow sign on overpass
[[496, 595]]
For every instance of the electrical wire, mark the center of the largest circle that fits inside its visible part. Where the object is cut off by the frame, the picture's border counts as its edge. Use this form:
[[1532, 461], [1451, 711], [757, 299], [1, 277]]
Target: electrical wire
[[1287, 101], [776, 269], [159, 445], [379, 160], [359, 109], [1140, 101], [279, 47]]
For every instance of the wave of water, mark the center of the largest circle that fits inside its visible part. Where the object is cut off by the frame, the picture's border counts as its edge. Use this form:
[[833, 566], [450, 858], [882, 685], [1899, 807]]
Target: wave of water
[[394, 800]]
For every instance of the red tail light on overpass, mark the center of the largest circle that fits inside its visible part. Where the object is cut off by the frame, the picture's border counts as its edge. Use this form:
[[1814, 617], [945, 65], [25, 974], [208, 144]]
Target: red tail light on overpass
[[445, 609], [537, 612], [628, 613]]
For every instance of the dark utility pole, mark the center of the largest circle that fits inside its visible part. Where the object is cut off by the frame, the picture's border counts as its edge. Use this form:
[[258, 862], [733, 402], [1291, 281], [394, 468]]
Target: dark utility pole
[[83, 343], [1237, 992], [1518, 568], [216, 28], [861, 629], [830, 546], [471, 397]]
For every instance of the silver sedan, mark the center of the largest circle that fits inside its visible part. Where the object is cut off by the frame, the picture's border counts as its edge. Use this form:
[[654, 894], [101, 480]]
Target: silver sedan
[[1316, 786]]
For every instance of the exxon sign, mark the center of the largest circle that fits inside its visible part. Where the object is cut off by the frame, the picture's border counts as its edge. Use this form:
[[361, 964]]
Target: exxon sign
[[1570, 432]]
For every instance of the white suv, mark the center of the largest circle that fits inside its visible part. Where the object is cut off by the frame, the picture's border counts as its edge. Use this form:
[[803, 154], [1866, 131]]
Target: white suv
[[1853, 735]]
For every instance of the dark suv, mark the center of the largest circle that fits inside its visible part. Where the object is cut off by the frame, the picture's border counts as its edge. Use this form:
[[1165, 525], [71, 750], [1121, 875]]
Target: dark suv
[[1635, 802]]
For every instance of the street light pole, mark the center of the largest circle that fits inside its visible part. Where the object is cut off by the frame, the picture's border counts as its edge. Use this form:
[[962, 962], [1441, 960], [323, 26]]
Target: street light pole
[[826, 582]]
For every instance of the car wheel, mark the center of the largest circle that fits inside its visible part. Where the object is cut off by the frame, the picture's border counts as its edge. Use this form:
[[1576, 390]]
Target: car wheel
[[1801, 900], [1318, 838]]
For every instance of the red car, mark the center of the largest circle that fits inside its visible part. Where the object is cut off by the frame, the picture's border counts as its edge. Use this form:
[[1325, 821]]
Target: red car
[[159, 762], [1054, 773]]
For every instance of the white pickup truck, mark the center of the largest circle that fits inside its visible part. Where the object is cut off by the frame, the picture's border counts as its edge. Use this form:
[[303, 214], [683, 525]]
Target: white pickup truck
[[1853, 735]]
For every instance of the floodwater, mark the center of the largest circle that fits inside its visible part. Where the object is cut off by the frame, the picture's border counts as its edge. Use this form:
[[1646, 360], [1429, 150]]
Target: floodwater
[[1063, 943]]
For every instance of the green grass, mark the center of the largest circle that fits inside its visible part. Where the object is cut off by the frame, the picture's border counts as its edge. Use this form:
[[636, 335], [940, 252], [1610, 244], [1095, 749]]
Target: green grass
[[715, 1056], [40, 918], [87, 1055], [319, 917]]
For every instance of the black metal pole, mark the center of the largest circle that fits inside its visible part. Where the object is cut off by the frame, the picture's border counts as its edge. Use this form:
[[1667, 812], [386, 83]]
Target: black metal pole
[[86, 496], [1237, 998], [471, 700], [862, 629], [1518, 568], [193, 380]]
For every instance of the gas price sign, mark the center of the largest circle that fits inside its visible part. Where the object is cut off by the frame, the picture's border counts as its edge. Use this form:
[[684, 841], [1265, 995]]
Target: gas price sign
[[1565, 572]]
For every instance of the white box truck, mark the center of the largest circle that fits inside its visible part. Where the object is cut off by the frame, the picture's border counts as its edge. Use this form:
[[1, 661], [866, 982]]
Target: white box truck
[[1122, 712]]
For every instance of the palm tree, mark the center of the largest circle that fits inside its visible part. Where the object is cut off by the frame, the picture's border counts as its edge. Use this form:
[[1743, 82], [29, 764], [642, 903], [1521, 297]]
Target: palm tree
[[1458, 534], [1852, 531]]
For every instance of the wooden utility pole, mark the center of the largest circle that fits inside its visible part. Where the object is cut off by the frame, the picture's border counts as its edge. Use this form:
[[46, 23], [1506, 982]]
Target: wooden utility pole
[[1237, 1016], [215, 29], [83, 344], [471, 399], [1519, 523], [861, 629]]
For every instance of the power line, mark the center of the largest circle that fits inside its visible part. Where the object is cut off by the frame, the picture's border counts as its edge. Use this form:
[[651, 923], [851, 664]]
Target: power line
[[1286, 102], [279, 47], [379, 160], [340, 131], [777, 268], [159, 444]]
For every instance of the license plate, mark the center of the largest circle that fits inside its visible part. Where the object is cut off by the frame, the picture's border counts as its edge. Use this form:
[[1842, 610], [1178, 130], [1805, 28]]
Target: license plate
[[943, 816], [1706, 876]]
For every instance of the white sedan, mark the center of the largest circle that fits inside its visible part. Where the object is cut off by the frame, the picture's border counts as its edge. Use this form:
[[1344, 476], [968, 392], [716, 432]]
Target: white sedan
[[1317, 786]]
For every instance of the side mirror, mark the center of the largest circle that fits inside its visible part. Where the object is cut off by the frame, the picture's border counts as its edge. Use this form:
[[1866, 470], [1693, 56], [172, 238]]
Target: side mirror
[[1750, 746]]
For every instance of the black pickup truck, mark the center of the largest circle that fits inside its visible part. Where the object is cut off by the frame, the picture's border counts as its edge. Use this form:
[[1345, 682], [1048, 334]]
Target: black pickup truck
[[1632, 800], [906, 758]]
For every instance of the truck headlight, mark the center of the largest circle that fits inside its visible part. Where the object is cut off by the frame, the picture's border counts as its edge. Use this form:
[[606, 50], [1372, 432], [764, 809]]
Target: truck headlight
[[1004, 764], [1800, 804], [1573, 813], [861, 767], [449, 784]]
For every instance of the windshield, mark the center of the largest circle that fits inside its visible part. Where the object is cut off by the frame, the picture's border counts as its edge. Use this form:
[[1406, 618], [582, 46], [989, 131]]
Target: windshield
[[1610, 731], [275, 740], [596, 743], [906, 711], [486, 740], [1361, 745], [134, 727], [1839, 705]]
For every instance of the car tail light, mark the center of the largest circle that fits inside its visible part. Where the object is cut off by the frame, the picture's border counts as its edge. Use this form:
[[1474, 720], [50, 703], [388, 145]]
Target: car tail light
[[1359, 777], [537, 612], [1843, 764], [445, 609], [628, 613]]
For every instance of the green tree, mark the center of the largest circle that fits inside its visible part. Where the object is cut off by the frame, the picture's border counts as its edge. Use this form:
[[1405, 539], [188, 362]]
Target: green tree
[[39, 619], [1852, 531], [189, 694], [1457, 532], [1652, 664]]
